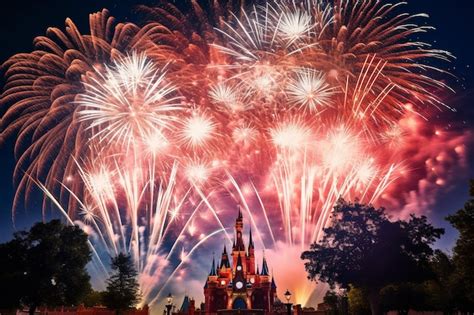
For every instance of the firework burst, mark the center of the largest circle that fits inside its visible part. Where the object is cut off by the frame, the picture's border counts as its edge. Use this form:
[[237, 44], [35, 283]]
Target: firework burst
[[130, 101]]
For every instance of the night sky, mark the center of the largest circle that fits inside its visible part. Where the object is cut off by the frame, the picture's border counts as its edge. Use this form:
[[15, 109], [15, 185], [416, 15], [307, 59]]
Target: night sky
[[21, 21]]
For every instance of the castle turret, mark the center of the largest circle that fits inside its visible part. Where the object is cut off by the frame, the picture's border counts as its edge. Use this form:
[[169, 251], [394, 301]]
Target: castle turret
[[239, 280], [251, 255], [224, 259], [239, 246], [213, 268], [264, 267]]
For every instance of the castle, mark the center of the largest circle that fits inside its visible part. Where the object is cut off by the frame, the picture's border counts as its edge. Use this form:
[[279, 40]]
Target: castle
[[237, 284]]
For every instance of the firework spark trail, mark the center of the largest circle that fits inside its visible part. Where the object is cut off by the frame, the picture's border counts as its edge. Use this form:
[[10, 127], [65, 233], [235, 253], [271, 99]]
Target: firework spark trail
[[64, 213], [286, 106], [202, 241]]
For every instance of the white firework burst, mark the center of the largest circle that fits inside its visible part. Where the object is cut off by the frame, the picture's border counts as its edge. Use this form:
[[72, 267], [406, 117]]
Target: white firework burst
[[129, 100], [309, 90], [227, 96], [197, 130]]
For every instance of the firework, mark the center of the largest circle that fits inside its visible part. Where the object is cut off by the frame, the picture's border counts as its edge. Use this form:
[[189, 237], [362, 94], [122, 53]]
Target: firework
[[130, 101], [283, 107]]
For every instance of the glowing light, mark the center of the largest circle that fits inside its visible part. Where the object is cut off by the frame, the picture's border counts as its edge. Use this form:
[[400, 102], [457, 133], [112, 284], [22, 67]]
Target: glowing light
[[309, 90], [129, 100], [197, 172], [291, 135], [294, 24], [156, 142], [227, 96], [197, 130], [245, 135]]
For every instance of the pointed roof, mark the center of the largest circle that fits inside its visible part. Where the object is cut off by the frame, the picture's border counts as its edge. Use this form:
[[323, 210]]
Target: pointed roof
[[250, 239], [213, 268], [185, 306], [240, 212], [239, 260], [273, 282], [258, 270], [225, 259], [264, 267]]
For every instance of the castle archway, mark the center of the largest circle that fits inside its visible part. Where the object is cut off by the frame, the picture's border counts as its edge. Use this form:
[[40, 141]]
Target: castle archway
[[239, 304]]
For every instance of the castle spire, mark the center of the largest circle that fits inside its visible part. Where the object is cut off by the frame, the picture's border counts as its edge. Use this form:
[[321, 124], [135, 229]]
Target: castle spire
[[213, 268], [250, 239], [240, 212], [273, 281], [239, 261], [264, 266], [239, 227], [224, 259]]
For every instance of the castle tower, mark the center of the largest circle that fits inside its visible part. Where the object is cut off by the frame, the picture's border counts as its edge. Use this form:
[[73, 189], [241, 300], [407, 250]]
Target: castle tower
[[239, 284], [239, 246], [251, 255]]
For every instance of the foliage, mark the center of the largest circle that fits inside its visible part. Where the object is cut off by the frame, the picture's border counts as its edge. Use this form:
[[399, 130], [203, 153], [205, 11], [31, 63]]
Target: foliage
[[94, 298], [48, 264], [358, 303], [364, 248], [402, 297], [463, 258], [337, 302], [122, 287], [12, 273]]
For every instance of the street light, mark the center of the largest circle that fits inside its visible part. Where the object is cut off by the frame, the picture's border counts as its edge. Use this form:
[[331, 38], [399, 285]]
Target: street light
[[169, 304], [288, 304]]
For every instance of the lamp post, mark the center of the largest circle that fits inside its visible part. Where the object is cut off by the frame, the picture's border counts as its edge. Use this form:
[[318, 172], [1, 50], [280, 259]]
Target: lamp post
[[169, 304], [288, 304]]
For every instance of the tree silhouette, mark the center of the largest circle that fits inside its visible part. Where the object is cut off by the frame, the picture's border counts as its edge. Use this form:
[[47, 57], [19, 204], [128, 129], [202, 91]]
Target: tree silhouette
[[45, 266], [363, 248], [122, 287], [463, 257]]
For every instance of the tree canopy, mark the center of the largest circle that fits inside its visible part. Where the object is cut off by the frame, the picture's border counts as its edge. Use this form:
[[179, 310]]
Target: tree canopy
[[45, 266], [122, 287], [463, 254], [364, 248]]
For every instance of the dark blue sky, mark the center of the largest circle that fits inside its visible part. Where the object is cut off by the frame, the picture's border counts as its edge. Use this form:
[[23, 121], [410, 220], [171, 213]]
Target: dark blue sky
[[21, 21]]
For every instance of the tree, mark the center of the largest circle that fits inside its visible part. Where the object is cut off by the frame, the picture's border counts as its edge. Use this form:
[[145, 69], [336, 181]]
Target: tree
[[402, 297], [358, 303], [49, 268], [363, 248], [337, 303], [122, 287], [441, 292], [463, 258], [12, 273], [94, 298]]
